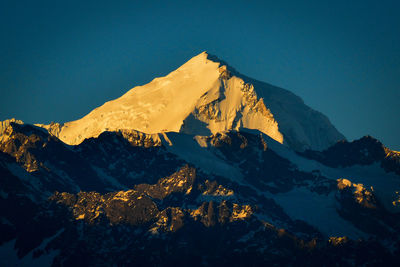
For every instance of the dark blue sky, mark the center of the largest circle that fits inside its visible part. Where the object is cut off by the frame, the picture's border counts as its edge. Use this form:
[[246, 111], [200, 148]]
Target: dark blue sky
[[61, 59]]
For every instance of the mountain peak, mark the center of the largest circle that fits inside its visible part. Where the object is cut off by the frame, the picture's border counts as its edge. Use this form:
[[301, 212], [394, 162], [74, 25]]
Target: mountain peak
[[206, 96], [205, 57]]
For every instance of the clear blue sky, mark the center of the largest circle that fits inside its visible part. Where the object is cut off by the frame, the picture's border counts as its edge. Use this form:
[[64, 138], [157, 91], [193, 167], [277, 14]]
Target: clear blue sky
[[61, 59]]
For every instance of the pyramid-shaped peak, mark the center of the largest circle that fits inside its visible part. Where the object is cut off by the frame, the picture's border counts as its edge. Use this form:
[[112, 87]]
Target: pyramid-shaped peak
[[207, 55], [199, 59], [205, 58], [202, 97]]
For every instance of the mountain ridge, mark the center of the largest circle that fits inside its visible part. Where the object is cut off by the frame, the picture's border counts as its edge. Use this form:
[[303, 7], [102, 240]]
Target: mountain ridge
[[246, 175], [141, 196], [206, 96]]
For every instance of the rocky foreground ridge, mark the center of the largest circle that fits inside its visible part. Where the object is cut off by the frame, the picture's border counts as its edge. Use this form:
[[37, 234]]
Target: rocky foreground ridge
[[128, 198]]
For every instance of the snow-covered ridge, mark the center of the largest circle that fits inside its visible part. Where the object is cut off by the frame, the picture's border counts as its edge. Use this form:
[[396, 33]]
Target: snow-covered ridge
[[203, 97]]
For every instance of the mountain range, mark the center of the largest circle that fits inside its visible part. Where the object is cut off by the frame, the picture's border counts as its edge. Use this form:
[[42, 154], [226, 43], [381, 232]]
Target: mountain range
[[204, 166]]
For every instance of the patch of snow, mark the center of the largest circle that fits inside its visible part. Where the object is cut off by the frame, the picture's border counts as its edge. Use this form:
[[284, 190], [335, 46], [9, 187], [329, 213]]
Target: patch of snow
[[66, 179], [187, 148], [30, 181], [317, 210], [107, 179], [385, 184], [9, 257]]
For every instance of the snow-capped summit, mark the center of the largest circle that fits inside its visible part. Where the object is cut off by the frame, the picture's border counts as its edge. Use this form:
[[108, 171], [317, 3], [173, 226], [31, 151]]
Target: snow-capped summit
[[203, 97]]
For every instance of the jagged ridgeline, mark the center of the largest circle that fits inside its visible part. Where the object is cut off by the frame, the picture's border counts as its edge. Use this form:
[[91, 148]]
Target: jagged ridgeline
[[202, 167], [124, 198]]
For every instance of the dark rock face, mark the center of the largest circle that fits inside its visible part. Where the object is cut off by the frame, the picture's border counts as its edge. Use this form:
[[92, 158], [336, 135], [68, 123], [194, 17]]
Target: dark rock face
[[391, 162], [123, 200], [360, 206], [364, 151], [108, 162]]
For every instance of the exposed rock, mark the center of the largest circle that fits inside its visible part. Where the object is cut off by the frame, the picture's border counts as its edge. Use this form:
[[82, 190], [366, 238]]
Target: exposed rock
[[4, 124], [214, 189], [180, 182], [338, 241], [54, 128], [138, 206], [18, 145], [391, 162], [362, 196], [209, 215], [169, 220], [137, 138], [364, 151]]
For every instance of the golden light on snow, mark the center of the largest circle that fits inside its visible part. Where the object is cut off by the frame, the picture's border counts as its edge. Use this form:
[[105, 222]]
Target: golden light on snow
[[202, 97]]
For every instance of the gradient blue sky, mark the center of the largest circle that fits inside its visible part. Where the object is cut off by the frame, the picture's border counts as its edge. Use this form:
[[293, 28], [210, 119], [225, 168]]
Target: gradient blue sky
[[61, 59]]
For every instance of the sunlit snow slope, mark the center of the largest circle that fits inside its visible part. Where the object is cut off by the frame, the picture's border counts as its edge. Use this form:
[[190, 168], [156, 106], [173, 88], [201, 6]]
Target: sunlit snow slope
[[204, 97]]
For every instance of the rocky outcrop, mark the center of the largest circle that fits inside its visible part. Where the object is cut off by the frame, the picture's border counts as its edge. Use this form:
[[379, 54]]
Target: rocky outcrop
[[4, 124], [361, 195], [391, 162], [137, 138], [180, 182], [110, 161], [54, 128], [18, 145], [130, 207], [141, 206], [359, 204], [212, 188], [365, 151]]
